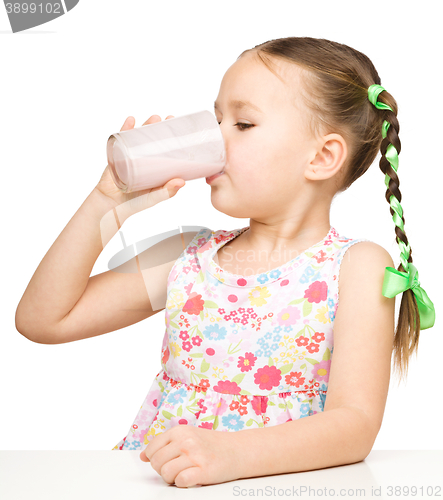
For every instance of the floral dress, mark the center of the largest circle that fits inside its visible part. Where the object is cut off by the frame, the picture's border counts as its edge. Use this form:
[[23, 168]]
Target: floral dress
[[243, 351]]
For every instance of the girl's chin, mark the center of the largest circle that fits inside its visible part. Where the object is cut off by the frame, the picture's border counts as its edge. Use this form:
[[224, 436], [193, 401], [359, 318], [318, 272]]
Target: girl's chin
[[228, 206]]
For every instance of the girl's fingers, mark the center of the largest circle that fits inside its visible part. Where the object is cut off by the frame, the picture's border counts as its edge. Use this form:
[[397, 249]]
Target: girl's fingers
[[155, 119], [173, 183], [129, 123], [152, 119]]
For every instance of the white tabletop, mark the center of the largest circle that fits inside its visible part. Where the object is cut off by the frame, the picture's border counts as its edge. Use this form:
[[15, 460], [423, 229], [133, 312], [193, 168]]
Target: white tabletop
[[64, 475]]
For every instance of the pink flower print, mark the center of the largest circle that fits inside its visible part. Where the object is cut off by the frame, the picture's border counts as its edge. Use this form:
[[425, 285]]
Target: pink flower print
[[244, 399], [242, 334], [283, 418], [227, 387], [219, 407], [222, 237], [318, 337], [188, 288], [321, 370], [284, 394], [165, 340], [187, 346], [259, 404], [205, 247], [200, 241], [184, 335], [192, 250], [215, 355], [317, 291], [152, 399], [288, 316], [206, 425], [295, 379], [140, 435], [302, 341], [194, 305], [196, 340], [247, 344], [246, 362], [200, 404], [178, 421], [196, 267], [234, 405], [312, 348], [267, 377], [165, 356], [204, 384], [320, 256], [144, 415]]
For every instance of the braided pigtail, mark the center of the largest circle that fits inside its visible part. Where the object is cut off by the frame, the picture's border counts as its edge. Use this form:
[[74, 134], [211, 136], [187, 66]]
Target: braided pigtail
[[416, 309]]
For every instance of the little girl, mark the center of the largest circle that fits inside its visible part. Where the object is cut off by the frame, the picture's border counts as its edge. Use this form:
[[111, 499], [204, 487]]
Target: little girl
[[252, 317]]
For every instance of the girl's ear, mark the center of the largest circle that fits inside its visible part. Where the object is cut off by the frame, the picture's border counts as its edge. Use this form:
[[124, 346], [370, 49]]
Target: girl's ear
[[329, 159]]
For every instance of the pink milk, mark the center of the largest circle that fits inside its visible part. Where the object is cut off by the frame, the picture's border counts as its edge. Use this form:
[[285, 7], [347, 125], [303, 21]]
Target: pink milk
[[186, 147]]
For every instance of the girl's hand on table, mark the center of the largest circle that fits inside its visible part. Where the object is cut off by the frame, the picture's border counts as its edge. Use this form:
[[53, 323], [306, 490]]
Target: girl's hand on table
[[189, 456]]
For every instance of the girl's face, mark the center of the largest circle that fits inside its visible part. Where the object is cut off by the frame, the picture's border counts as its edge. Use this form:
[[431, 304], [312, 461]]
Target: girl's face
[[267, 149]]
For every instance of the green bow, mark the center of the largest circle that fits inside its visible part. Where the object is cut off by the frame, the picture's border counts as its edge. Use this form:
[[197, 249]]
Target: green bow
[[396, 281]]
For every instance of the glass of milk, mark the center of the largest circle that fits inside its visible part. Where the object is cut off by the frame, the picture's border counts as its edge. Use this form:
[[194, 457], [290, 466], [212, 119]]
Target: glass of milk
[[187, 147]]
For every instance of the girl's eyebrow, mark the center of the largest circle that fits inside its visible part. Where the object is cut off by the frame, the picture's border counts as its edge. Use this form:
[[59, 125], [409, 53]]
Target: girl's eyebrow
[[238, 104]]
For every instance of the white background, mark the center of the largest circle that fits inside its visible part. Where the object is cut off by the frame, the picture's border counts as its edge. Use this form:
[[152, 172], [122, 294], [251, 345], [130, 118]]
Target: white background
[[68, 84]]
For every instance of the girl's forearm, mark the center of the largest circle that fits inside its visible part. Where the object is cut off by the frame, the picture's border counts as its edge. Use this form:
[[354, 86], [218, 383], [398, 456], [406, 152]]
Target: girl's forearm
[[336, 437], [62, 275]]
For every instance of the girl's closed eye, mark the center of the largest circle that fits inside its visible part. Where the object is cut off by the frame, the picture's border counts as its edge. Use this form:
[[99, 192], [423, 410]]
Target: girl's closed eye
[[245, 125]]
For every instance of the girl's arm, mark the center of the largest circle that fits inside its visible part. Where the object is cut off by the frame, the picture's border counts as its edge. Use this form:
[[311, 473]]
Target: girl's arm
[[62, 303], [62, 275], [345, 431]]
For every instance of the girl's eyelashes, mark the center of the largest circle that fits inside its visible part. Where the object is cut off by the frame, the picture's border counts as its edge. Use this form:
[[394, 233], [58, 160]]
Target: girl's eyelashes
[[240, 125]]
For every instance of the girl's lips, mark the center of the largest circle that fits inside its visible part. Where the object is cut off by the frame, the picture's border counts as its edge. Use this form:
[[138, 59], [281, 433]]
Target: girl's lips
[[212, 177]]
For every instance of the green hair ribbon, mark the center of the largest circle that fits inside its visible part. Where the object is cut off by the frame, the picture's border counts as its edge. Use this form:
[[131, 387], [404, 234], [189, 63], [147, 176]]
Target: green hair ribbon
[[394, 281]]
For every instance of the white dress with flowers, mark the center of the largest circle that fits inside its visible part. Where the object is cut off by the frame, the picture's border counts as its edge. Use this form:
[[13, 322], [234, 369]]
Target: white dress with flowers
[[243, 351]]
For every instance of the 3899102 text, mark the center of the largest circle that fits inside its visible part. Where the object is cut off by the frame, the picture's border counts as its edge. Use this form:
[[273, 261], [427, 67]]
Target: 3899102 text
[[34, 8]]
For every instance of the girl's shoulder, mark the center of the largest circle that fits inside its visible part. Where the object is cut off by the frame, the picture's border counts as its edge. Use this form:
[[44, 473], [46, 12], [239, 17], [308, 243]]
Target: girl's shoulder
[[365, 248], [359, 250], [364, 252], [366, 257]]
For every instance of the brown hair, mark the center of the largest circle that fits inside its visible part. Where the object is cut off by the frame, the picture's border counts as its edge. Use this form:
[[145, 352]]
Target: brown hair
[[337, 78]]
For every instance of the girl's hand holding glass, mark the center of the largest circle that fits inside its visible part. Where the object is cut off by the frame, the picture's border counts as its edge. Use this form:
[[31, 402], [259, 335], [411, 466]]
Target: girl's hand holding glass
[[139, 200]]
